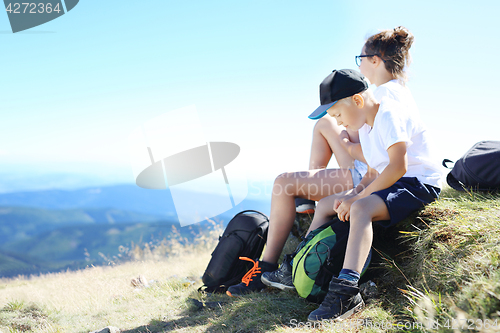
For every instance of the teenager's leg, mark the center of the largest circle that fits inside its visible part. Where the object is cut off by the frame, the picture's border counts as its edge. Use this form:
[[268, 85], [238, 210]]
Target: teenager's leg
[[314, 185], [324, 211], [326, 142], [363, 212]]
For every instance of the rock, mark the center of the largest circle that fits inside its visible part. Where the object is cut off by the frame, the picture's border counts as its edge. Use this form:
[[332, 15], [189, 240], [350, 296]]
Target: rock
[[368, 290], [187, 282], [301, 225], [140, 282], [109, 329]]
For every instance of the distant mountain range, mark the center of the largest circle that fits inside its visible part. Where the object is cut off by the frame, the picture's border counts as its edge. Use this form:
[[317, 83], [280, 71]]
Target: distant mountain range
[[26, 178], [23, 223], [130, 198], [76, 246], [122, 197], [50, 230]]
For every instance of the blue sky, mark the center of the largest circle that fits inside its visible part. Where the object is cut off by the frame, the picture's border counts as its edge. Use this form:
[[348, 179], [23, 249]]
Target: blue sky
[[76, 87]]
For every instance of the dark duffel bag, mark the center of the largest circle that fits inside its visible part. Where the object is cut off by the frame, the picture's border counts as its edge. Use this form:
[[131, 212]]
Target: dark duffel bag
[[478, 169]]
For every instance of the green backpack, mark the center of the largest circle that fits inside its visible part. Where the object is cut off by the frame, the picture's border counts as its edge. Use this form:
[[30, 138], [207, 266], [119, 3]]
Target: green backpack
[[318, 258]]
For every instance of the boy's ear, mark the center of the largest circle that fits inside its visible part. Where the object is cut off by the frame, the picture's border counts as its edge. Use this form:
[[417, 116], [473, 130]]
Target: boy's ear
[[358, 100]]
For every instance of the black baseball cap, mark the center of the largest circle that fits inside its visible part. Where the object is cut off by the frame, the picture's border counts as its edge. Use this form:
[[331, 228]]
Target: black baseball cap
[[339, 84]]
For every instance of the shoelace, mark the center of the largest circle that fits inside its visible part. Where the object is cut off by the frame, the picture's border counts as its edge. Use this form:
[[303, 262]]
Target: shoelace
[[252, 272]]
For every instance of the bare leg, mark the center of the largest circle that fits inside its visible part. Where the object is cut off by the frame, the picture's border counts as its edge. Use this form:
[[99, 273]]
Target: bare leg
[[324, 211], [314, 185], [326, 142], [363, 212]]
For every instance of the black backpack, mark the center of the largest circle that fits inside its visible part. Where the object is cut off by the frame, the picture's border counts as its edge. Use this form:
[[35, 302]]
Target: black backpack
[[478, 169], [244, 236]]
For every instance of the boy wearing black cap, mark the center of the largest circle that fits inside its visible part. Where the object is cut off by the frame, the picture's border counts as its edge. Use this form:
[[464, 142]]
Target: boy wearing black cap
[[401, 178]]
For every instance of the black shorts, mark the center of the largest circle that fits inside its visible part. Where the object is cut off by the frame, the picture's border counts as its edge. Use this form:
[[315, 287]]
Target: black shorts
[[406, 196]]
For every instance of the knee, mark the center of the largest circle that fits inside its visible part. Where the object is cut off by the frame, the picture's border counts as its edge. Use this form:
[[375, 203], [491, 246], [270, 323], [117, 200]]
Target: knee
[[324, 124], [284, 183], [361, 211], [323, 206], [284, 178]]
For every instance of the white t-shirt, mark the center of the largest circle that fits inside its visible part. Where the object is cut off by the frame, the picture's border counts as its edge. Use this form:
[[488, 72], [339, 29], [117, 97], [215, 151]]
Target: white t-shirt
[[393, 90], [396, 91], [398, 122]]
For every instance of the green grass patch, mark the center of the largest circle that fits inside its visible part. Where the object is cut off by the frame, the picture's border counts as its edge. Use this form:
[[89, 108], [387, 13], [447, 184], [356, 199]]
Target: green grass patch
[[454, 275], [19, 316]]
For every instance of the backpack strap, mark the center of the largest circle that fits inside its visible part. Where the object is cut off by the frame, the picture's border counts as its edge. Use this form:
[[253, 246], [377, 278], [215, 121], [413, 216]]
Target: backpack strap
[[447, 161]]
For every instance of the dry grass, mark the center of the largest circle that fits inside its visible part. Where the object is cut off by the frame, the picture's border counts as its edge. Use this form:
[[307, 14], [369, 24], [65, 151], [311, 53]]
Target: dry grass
[[100, 296], [96, 297]]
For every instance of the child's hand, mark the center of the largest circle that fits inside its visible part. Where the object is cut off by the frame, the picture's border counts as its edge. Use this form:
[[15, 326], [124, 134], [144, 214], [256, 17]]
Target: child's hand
[[343, 207], [344, 136]]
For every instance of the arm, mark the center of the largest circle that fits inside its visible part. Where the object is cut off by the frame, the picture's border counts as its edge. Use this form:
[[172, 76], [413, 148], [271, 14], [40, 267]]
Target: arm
[[398, 164], [353, 148], [368, 178]]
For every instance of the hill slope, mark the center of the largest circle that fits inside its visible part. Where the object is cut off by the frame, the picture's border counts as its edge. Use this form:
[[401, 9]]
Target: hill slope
[[440, 275], [35, 240]]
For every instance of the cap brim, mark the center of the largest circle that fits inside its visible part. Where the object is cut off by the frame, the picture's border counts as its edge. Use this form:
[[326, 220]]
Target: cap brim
[[321, 111]]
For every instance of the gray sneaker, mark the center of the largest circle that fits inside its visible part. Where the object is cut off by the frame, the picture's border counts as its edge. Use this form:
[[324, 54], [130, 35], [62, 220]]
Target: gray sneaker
[[282, 277]]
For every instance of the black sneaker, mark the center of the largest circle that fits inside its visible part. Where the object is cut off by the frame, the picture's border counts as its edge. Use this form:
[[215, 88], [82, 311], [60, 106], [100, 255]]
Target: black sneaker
[[282, 277], [304, 206], [342, 301], [251, 281]]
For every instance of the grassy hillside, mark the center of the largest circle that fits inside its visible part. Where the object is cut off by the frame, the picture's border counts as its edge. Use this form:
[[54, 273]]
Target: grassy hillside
[[440, 275], [35, 240], [77, 246], [12, 264]]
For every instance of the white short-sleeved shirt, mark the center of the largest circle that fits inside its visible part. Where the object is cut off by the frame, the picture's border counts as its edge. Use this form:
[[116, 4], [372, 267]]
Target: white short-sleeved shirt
[[399, 122], [396, 91], [393, 90]]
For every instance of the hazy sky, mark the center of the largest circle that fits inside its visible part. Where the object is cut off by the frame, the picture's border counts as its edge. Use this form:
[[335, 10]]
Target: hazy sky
[[76, 87]]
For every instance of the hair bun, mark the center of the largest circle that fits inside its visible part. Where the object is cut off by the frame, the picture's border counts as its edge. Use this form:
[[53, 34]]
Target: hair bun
[[403, 36], [392, 46]]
